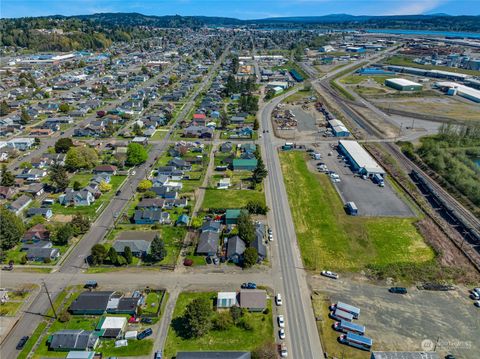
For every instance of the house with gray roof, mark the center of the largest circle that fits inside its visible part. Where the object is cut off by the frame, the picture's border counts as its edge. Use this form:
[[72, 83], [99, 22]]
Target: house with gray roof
[[151, 216], [254, 300], [208, 243], [235, 248], [44, 212], [138, 241], [76, 198], [19, 204], [39, 254], [73, 339]]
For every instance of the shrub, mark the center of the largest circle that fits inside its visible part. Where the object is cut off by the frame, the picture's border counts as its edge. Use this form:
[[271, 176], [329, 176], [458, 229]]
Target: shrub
[[188, 262], [223, 321], [64, 317], [245, 324], [23, 260], [47, 260]]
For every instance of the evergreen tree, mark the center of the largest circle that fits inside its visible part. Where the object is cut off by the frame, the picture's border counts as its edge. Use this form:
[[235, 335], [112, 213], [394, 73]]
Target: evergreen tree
[[113, 256], [260, 172], [197, 318], [59, 177], [127, 253], [8, 178], [246, 228], [4, 108], [11, 229], [158, 251]]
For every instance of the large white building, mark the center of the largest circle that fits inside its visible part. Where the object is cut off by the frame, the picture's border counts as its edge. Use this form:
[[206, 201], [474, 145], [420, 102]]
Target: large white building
[[460, 90], [360, 159]]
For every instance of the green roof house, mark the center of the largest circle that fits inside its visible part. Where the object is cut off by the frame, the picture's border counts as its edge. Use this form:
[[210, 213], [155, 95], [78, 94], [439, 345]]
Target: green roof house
[[231, 216], [244, 164]]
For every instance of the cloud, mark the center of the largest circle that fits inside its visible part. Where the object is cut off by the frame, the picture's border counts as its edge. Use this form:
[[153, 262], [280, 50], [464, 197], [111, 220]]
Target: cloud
[[415, 7]]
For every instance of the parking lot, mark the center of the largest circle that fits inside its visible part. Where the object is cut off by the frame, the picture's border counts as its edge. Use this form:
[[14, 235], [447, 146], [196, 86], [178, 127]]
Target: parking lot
[[370, 199], [404, 322]]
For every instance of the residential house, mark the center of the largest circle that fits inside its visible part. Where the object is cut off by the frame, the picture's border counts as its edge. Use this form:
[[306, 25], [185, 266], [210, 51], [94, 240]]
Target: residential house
[[7, 192], [36, 233], [235, 248], [41, 254], [76, 198], [32, 175], [258, 242], [140, 140], [211, 226], [93, 303], [151, 203], [35, 189], [19, 204], [171, 171], [107, 169], [226, 147], [226, 300], [25, 246], [198, 131], [253, 300], [138, 241], [44, 212], [180, 164], [112, 327], [208, 243], [148, 216], [165, 192], [21, 144], [73, 339], [224, 183]]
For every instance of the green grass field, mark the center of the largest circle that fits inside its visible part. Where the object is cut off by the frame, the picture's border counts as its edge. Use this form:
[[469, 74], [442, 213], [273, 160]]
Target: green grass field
[[229, 198], [328, 238], [356, 79], [233, 338], [9, 308]]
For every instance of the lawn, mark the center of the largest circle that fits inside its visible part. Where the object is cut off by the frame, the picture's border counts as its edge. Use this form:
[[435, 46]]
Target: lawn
[[229, 198], [153, 302], [135, 348], [159, 134], [233, 338], [328, 238], [330, 336], [91, 210], [299, 96], [356, 79], [82, 178]]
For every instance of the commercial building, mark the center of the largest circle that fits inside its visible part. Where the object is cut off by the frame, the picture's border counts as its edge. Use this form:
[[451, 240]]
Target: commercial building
[[360, 159], [338, 128], [403, 84]]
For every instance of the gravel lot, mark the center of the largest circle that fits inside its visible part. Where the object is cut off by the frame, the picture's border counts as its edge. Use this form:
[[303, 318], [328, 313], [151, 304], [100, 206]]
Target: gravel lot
[[403, 322], [370, 199]]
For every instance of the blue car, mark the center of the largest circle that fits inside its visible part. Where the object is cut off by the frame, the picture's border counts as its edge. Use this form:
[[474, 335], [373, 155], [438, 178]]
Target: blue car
[[144, 334], [249, 285]]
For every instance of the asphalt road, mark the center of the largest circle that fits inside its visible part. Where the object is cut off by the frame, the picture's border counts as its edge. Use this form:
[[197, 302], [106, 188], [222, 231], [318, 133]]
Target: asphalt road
[[301, 331]]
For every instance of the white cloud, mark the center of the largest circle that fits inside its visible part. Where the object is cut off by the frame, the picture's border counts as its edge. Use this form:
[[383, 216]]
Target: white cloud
[[415, 7]]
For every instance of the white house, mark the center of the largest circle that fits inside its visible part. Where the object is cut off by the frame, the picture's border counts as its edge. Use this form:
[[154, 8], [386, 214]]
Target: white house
[[226, 299]]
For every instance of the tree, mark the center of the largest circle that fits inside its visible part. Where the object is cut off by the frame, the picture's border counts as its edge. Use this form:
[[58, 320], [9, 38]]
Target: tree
[[236, 313], [157, 250], [144, 185], [256, 207], [59, 177], [104, 186], [149, 194], [104, 90], [64, 107], [37, 141], [255, 124], [7, 177], [197, 317], [127, 253], [25, 117], [146, 102], [246, 229], [4, 108], [80, 224], [136, 154], [63, 145], [98, 254], [11, 229], [37, 219], [63, 234], [77, 186], [224, 121], [81, 158], [113, 256], [260, 172], [137, 130], [250, 257]]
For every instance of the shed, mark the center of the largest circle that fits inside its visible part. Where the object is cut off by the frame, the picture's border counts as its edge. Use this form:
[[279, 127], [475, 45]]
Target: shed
[[240, 164], [226, 299], [231, 216]]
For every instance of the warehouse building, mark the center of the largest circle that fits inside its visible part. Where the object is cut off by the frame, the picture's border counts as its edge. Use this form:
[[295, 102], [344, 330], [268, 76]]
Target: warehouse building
[[453, 88], [338, 128], [360, 159], [403, 84]]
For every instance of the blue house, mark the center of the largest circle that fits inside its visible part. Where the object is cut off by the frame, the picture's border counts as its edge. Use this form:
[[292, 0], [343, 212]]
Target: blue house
[[182, 220]]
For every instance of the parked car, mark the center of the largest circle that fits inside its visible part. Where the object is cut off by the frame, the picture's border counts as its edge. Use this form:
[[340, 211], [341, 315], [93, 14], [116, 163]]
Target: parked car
[[158, 355], [270, 231], [144, 334], [281, 321], [281, 334], [118, 193], [474, 296], [249, 285], [216, 260], [449, 356], [283, 350], [91, 284], [477, 303], [21, 342], [133, 320], [329, 274], [398, 290], [278, 299], [146, 320], [270, 237]]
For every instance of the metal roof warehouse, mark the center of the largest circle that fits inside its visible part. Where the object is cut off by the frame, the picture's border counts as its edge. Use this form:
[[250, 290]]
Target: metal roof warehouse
[[359, 158]]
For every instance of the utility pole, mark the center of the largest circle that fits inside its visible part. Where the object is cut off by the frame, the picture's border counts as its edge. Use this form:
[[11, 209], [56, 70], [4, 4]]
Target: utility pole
[[50, 299]]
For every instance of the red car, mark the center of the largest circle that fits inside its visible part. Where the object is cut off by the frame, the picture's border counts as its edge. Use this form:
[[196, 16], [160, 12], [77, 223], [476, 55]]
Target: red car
[[133, 320]]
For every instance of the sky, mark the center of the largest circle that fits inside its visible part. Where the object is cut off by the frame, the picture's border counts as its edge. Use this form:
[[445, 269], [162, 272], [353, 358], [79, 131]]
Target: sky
[[241, 9]]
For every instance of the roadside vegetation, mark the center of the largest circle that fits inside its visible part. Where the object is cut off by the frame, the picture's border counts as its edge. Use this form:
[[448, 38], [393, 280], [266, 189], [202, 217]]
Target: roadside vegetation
[[330, 239], [452, 154]]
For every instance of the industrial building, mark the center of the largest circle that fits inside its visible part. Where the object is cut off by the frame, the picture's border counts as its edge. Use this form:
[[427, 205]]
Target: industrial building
[[338, 128], [429, 73], [453, 88], [360, 159], [403, 84]]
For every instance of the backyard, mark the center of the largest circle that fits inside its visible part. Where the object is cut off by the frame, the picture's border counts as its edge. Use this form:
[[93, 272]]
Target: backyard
[[232, 338], [328, 238]]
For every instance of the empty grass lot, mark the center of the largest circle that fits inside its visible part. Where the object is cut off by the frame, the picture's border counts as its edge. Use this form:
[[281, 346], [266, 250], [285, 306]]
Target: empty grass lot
[[233, 338], [230, 198], [328, 238]]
